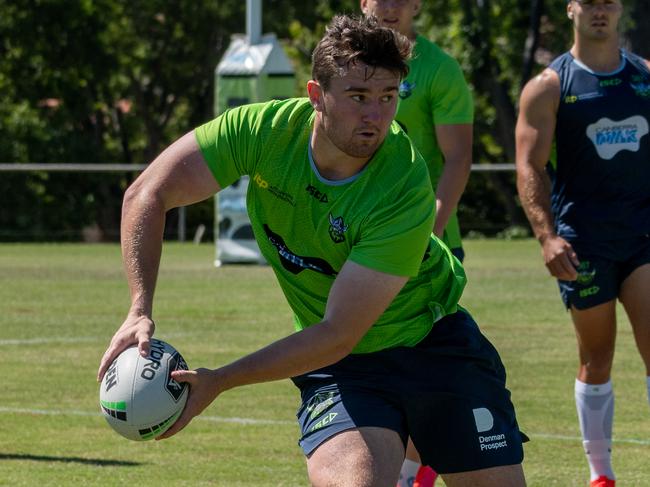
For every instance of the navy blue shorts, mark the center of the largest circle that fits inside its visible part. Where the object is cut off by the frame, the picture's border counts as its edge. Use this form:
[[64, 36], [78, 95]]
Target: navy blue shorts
[[603, 268], [459, 253], [448, 393]]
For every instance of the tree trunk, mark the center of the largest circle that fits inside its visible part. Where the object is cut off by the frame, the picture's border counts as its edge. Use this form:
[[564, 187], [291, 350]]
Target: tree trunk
[[487, 79]]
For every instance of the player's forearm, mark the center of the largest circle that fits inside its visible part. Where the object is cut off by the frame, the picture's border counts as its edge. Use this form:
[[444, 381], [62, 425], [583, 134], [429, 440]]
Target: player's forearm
[[143, 222], [450, 188], [301, 352], [534, 189]]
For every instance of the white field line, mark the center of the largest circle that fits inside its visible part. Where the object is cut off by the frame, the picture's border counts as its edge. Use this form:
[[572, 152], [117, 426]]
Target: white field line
[[41, 341], [215, 419], [251, 421]]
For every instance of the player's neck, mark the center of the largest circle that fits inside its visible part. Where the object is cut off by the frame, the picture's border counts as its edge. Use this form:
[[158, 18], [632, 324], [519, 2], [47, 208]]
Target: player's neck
[[603, 56], [331, 162]]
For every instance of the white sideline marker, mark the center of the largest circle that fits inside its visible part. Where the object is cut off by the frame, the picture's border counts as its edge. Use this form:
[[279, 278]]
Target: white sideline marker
[[252, 421]]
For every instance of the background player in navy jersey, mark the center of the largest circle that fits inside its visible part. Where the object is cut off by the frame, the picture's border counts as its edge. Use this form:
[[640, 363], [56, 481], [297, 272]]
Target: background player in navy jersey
[[592, 216]]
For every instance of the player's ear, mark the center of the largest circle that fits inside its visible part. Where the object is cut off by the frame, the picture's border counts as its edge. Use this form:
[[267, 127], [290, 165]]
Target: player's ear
[[363, 4], [417, 6], [315, 93]]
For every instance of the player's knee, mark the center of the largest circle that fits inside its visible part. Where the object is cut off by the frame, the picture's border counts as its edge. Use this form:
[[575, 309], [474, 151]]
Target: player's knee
[[348, 473], [597, 368]]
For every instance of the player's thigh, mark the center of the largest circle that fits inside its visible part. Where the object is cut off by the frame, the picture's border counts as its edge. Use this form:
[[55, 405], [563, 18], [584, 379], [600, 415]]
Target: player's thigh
[[635, 296], [506, 476], [363, 457], [595, 329]]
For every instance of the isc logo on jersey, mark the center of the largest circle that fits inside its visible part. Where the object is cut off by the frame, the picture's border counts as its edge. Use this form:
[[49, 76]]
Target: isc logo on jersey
[[611, 137]]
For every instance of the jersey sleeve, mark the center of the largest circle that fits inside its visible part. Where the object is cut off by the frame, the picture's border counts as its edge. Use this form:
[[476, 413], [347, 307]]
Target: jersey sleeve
[[452, 98], [394, 239], [230, 143]]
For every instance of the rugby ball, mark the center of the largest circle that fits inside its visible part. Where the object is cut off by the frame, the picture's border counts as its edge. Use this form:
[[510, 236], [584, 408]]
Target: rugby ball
[[138, 397]]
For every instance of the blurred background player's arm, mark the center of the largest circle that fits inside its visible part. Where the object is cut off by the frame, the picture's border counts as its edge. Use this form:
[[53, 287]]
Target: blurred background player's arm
[[455, 142]]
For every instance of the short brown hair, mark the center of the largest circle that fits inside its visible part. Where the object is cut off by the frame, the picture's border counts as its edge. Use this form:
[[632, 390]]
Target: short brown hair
[[350, 39]]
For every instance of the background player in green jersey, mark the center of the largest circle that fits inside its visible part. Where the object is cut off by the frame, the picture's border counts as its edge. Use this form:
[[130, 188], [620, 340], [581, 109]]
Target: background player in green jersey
[[437, 112], [342, 212]]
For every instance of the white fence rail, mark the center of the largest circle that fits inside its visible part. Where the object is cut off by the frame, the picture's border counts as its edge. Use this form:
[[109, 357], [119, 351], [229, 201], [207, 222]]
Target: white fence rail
[[121, 167]]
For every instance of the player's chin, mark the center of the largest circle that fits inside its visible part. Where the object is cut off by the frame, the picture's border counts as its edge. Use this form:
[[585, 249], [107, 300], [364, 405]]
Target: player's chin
[[363, 149]]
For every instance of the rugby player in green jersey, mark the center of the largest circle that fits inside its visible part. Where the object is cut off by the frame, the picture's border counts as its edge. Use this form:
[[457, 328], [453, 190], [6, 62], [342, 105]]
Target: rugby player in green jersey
[[436, 110], [342, 210]]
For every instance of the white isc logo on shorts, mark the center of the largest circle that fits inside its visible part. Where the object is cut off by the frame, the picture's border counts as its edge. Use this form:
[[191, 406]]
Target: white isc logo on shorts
[[610, 137]]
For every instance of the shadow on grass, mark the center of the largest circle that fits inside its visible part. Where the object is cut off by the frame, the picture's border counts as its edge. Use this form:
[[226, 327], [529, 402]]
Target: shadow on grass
[[85, 461]]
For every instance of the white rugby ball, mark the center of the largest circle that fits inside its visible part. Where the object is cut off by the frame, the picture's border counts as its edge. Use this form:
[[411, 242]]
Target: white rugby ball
[[138, 397]]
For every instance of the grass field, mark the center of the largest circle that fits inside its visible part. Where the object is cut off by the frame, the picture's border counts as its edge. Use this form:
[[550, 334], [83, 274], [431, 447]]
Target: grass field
[[60, 304]]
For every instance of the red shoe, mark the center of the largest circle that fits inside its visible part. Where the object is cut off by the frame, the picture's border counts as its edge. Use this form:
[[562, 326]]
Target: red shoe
[[427, 476], [603, 481]]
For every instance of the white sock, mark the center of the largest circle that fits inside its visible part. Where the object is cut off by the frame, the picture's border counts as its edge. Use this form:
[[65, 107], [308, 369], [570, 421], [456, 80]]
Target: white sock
[[408, 473], [595, 405]]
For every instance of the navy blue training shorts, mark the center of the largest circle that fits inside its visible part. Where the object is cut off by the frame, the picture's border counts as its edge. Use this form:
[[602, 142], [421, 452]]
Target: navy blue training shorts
[[603, 268], [448, 393]]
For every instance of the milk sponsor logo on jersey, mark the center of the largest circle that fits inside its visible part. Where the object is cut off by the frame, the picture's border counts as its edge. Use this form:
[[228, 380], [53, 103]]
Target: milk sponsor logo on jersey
[[611, 137], [406, 89], [337, 229], [484, 423]]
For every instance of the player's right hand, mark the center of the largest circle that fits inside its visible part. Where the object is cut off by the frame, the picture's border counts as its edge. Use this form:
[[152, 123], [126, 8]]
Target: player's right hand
[[135, 330], [560, 258]]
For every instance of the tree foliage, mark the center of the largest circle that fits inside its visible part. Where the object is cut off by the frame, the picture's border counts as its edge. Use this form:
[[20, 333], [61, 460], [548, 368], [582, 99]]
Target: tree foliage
[[115, 81]]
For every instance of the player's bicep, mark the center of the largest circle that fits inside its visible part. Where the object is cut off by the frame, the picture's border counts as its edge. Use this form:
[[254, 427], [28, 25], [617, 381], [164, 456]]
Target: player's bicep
[[536, 121], [179, 176], [358, 297]]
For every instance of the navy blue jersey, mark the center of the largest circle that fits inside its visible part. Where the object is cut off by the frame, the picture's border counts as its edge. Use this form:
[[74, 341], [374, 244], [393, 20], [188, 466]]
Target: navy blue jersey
[[601, 175]]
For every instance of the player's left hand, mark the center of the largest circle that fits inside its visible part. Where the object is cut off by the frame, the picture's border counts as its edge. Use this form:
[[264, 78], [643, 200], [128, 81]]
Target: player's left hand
[[203, 391]]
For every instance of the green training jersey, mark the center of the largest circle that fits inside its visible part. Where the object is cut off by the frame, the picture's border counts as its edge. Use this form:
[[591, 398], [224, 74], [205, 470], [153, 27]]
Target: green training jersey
[[434, 93], [307, 227]]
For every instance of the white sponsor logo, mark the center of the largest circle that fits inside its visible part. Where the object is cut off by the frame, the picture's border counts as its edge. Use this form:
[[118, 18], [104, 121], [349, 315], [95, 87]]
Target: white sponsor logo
[[610, 137], [485, 422], [483, 419], [493, 442]]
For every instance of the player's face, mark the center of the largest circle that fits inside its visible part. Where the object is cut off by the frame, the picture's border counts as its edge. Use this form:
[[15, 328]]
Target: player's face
[[356, 110], [595, 19], [396, 14]]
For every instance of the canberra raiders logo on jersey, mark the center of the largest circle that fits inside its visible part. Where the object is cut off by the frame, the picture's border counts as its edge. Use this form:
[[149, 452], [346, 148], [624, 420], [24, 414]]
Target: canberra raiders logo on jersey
[[337, 229], [406, 89]]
